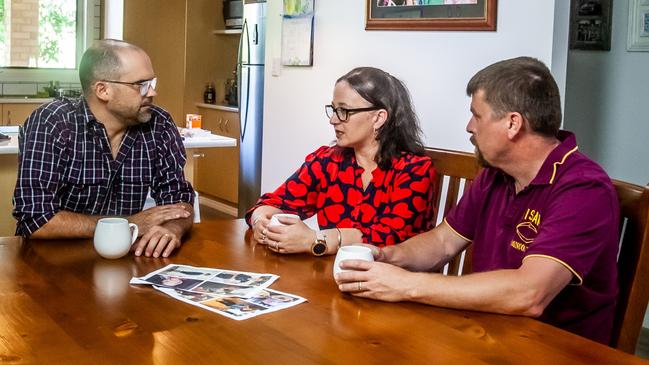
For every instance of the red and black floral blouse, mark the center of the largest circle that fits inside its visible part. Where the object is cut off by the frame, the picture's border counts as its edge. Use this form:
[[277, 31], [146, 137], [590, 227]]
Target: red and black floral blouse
[[397, 204]]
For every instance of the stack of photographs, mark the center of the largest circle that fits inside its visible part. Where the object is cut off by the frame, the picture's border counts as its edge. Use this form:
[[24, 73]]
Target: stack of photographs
[[235, 294]]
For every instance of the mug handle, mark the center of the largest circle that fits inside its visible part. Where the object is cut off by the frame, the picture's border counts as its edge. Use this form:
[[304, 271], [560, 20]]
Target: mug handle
[[135, 231]]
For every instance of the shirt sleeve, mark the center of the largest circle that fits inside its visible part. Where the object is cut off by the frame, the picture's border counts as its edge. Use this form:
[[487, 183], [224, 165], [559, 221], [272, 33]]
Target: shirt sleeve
[[169, 185], [41, 162], [299, 193], [409, 208], [463, 218]]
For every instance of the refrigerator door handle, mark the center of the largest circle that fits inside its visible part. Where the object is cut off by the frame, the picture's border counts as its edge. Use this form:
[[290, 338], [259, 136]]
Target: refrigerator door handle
[[255, 36]]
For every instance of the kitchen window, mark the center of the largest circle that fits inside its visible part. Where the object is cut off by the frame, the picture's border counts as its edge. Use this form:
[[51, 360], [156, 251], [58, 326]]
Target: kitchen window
[[47, 34]]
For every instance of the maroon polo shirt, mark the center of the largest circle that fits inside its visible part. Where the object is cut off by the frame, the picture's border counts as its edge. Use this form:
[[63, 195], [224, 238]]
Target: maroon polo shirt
[[569, 214]]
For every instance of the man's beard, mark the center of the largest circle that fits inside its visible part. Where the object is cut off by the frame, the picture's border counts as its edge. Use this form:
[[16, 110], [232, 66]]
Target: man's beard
[[144, 116], [481, 160]]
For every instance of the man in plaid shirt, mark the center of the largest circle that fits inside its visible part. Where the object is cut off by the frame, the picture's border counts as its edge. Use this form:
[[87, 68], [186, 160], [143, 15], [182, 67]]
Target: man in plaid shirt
[[97, 156]]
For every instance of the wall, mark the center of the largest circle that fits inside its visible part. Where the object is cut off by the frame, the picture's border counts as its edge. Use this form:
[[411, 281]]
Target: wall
[[434, 65], [606, 104]]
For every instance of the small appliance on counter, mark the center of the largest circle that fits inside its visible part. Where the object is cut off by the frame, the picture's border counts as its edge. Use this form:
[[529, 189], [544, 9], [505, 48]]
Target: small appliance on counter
[[233, 14]]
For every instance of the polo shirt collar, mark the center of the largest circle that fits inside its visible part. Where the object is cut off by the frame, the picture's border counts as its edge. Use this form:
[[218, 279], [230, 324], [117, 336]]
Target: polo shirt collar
[[555, 160]]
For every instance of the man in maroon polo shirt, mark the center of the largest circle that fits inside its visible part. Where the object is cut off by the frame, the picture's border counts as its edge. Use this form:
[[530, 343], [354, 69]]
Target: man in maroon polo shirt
[[542, 218]]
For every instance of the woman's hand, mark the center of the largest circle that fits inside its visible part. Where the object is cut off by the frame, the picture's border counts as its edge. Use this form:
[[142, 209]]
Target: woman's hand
[[259, 221], [293, 237]]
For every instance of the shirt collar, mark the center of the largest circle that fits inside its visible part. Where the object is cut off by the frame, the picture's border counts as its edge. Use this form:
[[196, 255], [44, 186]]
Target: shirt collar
[[555, 160], [83, 111]]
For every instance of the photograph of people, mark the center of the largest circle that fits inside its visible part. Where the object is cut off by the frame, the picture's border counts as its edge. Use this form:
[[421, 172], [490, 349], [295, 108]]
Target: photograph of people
[[374, 185], [188, 272], [270, 299], [222, 289], [234, 306], [173, 281]]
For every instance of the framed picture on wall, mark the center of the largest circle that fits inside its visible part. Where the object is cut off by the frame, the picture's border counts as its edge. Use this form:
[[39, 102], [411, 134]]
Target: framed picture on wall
[[590, 25], [638, 35], [431, 15]]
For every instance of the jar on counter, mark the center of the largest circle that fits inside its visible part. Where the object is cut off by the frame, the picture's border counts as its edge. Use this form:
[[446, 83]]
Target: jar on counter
[[209, 96]]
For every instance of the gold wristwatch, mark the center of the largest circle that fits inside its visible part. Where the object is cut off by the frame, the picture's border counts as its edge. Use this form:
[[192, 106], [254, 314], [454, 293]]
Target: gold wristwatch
[[319, 246]]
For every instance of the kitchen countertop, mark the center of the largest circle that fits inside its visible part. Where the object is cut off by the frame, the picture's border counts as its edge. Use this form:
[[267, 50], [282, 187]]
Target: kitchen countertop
[[215, 140], [17, 100]]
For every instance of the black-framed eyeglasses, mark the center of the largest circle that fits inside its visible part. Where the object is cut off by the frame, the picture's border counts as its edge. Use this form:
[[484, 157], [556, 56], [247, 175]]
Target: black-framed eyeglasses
[[144, 84], [344, 113]]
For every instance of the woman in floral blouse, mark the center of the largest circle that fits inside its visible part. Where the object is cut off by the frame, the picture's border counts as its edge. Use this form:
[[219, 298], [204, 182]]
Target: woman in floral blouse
[[375, 185]]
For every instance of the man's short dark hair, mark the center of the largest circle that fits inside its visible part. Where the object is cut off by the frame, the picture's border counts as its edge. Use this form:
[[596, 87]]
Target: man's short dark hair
[[524, 85], [101, 62]]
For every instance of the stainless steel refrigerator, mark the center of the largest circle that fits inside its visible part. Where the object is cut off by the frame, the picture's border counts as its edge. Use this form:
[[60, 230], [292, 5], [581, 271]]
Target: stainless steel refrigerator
[[250, 83]]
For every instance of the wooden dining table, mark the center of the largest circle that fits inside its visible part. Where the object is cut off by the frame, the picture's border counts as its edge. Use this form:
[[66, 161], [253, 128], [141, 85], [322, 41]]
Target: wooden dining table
[[61, 303]]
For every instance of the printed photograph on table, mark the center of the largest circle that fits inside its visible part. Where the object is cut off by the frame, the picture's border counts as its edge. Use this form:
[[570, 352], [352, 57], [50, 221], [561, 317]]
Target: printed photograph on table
[[234, 294], [266, 301], [297, 33], [431, 15], [171, 281], [590, 25]]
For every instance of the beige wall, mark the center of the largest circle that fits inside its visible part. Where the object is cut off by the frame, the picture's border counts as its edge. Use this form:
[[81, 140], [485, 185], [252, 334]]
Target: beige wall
[[23, 31]]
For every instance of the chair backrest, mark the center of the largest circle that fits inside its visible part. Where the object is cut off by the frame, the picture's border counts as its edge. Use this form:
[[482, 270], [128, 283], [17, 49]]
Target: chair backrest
[[455, 171], [632, 265]]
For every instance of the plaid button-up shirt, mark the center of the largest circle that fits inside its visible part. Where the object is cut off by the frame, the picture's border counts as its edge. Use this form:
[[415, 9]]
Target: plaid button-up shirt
[[65, 163]]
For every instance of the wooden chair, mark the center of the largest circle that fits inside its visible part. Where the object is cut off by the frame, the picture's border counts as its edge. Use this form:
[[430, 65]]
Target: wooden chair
[[632, 265], [455, 172]]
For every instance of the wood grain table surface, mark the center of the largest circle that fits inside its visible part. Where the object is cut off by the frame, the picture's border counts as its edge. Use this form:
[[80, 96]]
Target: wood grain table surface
[[63, 304]]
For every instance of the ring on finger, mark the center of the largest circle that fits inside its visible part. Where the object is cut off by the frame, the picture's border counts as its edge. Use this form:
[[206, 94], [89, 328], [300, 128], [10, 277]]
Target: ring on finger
[[263, 238], [360, 286]]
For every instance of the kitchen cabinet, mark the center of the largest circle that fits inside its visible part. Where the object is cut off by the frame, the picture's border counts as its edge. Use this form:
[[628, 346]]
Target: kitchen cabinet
[[16, 114], [8, 173], [185, 53], [216, 170]]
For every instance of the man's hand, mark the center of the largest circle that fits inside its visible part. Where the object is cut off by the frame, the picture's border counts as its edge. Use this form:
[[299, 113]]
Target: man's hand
[[375, 280], [156, 216], [158, 241]]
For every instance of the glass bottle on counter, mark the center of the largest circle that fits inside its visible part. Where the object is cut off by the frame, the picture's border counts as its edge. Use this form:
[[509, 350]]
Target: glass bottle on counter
[[209, 96]]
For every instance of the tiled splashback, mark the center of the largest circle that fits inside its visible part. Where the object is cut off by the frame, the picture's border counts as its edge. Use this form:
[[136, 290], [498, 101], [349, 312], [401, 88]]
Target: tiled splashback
[[26, 88]]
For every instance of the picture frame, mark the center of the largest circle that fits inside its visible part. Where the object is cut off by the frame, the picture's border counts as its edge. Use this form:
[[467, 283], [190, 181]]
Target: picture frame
[[590, 25], [450, 15], [638, 34]]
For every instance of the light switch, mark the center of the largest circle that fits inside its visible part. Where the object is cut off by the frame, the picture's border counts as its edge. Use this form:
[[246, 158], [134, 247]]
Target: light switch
[[276, 67]]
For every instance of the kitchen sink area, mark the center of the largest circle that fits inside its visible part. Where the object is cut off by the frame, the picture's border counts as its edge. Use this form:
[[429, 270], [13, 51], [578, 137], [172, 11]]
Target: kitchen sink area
[[21, 90]]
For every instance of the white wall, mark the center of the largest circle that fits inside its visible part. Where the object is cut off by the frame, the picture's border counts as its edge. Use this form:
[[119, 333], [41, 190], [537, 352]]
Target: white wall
[[434, 65], [606, 104]]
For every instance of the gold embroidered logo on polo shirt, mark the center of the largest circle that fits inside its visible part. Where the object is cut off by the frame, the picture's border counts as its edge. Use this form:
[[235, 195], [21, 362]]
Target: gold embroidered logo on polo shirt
[[527, 230]]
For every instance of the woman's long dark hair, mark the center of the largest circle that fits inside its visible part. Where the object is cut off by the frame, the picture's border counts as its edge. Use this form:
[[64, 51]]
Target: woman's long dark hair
[[401, 131]]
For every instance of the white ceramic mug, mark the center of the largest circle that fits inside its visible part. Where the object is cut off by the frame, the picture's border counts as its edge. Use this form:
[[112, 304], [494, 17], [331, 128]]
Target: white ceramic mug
[[351, 253], [275, 222], [113, 237]]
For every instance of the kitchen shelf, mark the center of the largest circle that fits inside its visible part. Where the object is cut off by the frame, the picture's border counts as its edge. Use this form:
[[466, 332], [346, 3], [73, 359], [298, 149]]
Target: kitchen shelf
[[226, 108], [226, 31]]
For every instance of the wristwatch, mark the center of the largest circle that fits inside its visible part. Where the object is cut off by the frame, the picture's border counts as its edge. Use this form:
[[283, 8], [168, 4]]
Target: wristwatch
[[319, 246]]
